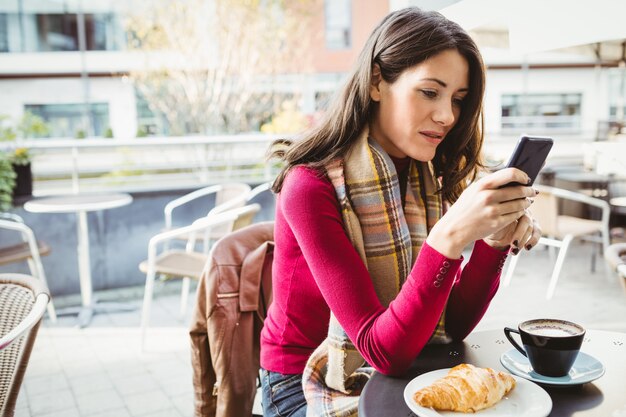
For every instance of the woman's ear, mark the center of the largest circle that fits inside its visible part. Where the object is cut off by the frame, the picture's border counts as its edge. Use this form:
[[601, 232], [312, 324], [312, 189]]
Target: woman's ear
[[375, 83]]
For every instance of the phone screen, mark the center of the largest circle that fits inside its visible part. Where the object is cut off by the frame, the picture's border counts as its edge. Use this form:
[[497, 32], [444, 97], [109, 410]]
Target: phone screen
[[530, 155]]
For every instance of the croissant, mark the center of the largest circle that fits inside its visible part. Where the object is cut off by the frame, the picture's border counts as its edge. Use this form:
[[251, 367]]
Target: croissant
[[466, 388]]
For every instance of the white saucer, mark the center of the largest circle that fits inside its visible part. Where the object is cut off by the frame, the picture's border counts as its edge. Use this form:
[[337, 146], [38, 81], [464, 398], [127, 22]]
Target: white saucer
[[525, 400], [586, 368]]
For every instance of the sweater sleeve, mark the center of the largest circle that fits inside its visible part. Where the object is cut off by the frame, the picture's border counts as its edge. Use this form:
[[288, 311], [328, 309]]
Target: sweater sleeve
[[389, 338], [474, 290]]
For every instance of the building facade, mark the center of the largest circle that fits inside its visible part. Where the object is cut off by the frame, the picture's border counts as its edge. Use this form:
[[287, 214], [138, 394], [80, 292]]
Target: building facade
[[67, 62]]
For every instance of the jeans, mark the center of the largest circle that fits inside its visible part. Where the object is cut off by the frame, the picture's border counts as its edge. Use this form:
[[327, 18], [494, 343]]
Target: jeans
[[282, 395]]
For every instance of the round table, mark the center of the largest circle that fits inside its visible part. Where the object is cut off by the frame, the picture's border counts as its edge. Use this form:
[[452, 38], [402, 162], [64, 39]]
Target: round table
[[606, 396], [81, 204], [618, 201], [596, 185]]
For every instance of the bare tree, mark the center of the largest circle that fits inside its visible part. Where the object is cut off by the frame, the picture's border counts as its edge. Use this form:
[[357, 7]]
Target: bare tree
[[212, 65]]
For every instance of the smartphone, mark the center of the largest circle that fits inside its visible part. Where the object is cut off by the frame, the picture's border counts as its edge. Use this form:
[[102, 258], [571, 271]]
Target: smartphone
[[530, 155]]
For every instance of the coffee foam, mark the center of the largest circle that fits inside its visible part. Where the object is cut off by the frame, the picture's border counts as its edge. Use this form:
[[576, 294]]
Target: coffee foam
[[553, 328]]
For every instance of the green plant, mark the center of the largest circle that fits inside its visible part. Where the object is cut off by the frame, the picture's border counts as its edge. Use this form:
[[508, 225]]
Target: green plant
[[15, 154], [20, 156], [7, 182], [32, 126], [142, 132], [108, 133], [7, 133], [80, 134], [28, 126]]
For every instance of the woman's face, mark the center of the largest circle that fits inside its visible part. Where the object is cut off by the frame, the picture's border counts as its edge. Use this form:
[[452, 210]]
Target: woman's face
[[415, 113]]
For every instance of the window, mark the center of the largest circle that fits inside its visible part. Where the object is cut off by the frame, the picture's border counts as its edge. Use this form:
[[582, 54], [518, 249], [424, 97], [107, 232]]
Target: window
[[338, 24], [149, 122], [617, 94], [68, 120], [57, 29], [4, 33], [59, 32], [540, 112]]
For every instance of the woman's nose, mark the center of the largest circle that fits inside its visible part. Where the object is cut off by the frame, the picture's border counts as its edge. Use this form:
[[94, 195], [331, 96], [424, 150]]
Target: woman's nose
[[444, 114]]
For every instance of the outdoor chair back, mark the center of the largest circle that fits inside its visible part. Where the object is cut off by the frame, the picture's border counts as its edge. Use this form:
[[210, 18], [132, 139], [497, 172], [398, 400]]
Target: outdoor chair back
[[23, 301], [560, 230], [29, 250], [230, 192], [227, 197], [188, 263], [616, 257]]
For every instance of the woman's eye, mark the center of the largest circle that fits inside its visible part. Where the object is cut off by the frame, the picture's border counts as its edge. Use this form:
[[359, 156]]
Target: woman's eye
[[457, 102], [429, 93]]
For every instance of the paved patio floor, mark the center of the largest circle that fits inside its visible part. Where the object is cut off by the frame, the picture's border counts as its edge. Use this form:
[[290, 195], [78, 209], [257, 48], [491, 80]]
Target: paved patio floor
[[100, 370]]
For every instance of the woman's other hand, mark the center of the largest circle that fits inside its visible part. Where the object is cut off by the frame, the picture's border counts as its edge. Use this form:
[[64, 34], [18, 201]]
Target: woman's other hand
[[485, 210], [525, 232]]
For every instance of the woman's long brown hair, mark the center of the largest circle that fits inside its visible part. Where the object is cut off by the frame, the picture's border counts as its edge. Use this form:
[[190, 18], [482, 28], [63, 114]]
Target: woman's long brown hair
[[403, 39]]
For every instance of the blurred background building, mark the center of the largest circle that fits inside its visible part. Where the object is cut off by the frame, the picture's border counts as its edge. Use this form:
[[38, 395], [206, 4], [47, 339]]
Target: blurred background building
[[71, 62]]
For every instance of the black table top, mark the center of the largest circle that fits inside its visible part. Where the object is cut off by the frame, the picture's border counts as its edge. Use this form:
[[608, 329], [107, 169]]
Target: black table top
[[604, 397]]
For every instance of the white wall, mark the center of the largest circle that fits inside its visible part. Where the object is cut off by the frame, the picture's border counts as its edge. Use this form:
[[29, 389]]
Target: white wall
[[14, 94]]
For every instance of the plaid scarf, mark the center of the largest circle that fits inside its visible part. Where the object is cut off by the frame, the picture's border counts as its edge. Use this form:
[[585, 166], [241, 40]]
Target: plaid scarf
[[388, 239]]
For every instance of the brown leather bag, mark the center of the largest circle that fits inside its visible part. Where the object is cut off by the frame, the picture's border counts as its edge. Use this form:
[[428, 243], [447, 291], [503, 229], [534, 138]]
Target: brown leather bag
[[234, 292]]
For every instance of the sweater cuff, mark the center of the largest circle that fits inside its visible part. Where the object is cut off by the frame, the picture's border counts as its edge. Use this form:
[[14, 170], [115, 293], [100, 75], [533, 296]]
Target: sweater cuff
[[440, 265], [488, 255], [434, 254]]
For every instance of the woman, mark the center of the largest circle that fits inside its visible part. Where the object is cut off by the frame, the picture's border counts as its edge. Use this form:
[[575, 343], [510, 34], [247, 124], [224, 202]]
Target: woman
[[364, 252]]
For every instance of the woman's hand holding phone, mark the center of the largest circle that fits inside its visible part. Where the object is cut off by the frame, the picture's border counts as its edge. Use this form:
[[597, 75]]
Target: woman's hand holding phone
[[486, 210], [530, 155], [523, 233]]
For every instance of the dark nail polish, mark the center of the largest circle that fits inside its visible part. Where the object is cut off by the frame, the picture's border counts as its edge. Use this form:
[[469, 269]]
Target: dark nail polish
[[536, 192], [528, 182], [532, 201], [516, 243], [515, 251], [528, 247]]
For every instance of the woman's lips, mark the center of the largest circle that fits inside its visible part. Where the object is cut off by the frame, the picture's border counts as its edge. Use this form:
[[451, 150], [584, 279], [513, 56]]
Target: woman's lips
[[432, 137]]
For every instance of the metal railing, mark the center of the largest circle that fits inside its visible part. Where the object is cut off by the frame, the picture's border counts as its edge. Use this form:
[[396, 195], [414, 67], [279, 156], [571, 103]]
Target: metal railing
[[541, 123], [144, 164]]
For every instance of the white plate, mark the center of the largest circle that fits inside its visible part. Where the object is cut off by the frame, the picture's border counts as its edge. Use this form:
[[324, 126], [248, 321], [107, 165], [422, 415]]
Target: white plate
[[586, 368], [525, 400]]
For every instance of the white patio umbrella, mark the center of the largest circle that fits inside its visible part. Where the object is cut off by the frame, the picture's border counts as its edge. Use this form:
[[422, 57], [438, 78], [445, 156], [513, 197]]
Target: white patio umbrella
[[585, 27], [541, 25]]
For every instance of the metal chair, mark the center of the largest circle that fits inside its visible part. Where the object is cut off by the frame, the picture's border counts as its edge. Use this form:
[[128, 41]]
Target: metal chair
[[227, 196], [616, 257], [560, 230], [188, 263], [259, 189], [23, 301], [30, 250], [244, 217]]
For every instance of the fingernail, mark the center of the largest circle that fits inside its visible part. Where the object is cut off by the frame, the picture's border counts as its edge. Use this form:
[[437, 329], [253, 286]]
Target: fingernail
[[536, 192], [528, 247], [516, 243], [515, 251], [528, 181], [532, 201]]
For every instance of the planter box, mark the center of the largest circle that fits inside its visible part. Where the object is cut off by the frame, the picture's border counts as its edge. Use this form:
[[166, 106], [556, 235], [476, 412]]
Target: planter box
[[23, 181]]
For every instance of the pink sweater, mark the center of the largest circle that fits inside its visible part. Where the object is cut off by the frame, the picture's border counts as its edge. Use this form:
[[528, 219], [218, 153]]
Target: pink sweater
[[316, 270]]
